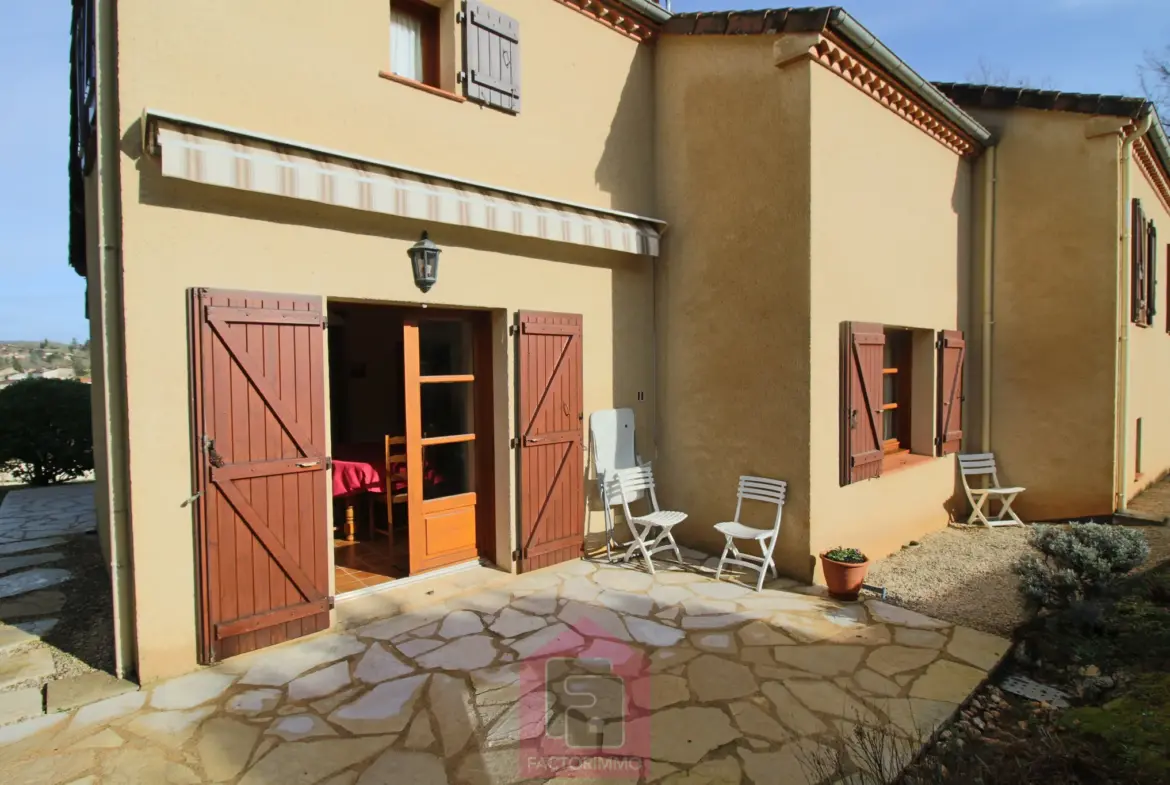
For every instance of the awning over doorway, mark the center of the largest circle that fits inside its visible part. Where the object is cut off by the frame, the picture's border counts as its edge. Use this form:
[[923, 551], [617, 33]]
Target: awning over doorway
[[216, 155]]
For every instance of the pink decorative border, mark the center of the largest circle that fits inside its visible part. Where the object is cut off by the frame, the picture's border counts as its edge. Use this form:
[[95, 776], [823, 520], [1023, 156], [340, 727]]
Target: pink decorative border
[[616, 17], [847, 64], [1150, 166]]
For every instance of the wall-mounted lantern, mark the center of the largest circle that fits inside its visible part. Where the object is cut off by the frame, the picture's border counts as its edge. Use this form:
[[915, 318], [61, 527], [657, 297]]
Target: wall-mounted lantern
[[424, 259]]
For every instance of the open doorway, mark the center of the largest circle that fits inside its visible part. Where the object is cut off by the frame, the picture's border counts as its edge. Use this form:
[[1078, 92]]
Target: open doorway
[[410, 413]]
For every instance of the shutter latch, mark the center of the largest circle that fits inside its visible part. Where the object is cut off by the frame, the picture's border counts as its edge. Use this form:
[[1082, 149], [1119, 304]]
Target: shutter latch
[[853, 419]]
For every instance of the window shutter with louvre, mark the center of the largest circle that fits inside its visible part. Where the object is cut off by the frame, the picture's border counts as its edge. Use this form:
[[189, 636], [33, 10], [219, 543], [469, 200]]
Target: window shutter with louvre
[[491, 57], [1138, 290], [1151, 272], [862, 355], [952, 350]]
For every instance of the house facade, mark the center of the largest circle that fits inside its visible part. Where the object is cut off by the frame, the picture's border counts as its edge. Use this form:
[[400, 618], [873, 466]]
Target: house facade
[[763, 232], [1078, 298]]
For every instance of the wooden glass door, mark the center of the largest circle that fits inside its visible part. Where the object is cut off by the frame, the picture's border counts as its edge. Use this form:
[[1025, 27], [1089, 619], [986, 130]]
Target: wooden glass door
[[440, 375]]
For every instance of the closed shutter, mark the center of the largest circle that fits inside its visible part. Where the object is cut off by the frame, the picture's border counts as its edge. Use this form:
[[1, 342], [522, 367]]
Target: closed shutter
[[952, 350], [1151, 272], [259, 462], [861, 411], [1138, 289], [491, 57]]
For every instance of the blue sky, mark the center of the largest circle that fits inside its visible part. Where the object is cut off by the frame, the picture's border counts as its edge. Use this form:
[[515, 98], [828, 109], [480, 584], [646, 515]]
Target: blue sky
[[1074, 45]]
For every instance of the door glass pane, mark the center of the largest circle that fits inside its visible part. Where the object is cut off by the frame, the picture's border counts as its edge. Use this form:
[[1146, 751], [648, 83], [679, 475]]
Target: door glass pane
[[447, 409], [890, 388], [448, 469], [889, 424], [444, 347]]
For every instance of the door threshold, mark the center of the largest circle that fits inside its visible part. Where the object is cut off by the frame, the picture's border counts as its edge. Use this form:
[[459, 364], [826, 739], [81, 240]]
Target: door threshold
[[411, 580]]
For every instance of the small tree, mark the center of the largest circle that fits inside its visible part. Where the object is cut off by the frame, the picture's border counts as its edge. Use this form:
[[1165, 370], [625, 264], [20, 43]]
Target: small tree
[[45, 344], [45, 435], [73, 345], [17, 365], [79, 366]]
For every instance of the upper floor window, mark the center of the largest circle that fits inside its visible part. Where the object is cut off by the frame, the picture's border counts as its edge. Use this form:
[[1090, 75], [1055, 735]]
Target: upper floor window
[[414, 41]]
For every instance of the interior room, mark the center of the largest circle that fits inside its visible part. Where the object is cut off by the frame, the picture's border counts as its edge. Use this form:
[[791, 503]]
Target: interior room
[[401, 377]]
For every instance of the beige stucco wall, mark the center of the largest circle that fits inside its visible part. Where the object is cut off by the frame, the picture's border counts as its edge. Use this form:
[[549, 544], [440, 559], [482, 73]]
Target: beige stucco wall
[[1149, 358], [733, 285], [1054, 333], [307, 71], [891, 244]]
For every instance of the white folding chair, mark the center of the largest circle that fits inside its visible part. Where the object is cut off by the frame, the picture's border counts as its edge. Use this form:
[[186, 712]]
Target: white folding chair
[[984, 464], [631, 482], [760, 489], [611, 440]]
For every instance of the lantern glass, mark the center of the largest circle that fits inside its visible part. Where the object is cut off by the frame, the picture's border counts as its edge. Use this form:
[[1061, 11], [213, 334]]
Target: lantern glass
[[424, 261]]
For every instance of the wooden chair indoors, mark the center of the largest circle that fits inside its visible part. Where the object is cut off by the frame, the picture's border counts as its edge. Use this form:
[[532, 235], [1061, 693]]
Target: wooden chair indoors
[[395, 457]]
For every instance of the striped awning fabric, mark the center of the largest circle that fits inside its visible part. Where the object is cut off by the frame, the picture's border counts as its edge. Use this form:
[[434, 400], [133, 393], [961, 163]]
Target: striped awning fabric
[[213, 156]]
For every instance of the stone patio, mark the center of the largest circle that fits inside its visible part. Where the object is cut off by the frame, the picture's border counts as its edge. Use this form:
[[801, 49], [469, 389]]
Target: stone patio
[[36, 526], [724, 685]]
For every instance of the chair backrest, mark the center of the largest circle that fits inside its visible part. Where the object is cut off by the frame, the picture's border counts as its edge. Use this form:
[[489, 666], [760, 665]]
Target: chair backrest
[[611, 439], [761, 489], [975, 464], [632, 484]]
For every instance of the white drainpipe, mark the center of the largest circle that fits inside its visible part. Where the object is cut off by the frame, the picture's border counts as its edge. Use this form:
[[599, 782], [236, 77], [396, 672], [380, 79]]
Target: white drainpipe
[[1123, 301], [991, 165]]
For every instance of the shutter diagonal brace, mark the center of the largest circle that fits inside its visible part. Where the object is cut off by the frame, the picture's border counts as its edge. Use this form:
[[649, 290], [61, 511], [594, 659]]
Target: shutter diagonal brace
[[547, 386], [867, 394]]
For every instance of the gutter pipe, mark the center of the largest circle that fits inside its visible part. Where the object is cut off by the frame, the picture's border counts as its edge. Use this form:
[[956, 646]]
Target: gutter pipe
[[990, 174], [112, 344], [648, 9], [1121, 501], [852, 31]]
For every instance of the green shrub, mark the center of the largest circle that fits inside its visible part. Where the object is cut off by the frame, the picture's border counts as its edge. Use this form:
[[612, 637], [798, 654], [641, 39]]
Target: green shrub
[[1077, 562], [846, 555], [45, 433]]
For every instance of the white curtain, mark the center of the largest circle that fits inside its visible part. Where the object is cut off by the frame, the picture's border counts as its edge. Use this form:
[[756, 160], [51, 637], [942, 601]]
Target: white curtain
[[406, 55]]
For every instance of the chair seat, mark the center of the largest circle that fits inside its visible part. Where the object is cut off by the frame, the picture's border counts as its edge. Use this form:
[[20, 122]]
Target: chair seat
[[663, 518], [741, 532], [997, 491]]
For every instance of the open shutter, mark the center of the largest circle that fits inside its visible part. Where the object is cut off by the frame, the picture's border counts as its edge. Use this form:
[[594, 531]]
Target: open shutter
[[1151, 272], [862, 358], [952, 350], [1138, 289], [491, 57], [550, 422], [259, 460]]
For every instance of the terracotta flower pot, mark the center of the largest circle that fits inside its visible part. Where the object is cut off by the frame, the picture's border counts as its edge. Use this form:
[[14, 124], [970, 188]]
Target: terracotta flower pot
[[844, 578]]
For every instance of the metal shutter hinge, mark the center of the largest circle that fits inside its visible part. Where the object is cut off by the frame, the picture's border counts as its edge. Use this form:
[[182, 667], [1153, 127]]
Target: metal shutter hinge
[[332, 603], [513, 329], [512, 444], [517, 555], [328, 463]]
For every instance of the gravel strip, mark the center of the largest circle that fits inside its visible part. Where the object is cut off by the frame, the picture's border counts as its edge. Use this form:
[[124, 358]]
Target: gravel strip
[[962, 574]]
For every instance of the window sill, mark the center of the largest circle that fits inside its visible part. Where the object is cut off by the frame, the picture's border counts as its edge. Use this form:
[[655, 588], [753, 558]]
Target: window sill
[[426, 88], [899, 461]]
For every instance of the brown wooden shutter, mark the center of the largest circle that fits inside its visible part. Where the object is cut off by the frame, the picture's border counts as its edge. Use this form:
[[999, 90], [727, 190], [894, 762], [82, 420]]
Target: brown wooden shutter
[[862, 358], [550, 422], [1138, 288], [259, 459], [491, 57], [952, 351], [1151, 272]]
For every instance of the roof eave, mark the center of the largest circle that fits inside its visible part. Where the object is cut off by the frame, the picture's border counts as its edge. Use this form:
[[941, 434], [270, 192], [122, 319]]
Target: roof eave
[[868, 44], [650, 10]]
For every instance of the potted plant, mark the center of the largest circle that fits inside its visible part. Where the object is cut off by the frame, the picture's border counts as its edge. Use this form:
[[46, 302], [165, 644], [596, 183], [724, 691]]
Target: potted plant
[[845, 570]]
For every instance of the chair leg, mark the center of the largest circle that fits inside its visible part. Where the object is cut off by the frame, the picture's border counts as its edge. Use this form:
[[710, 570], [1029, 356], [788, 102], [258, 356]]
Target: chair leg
[[766, 548], [677, 553], [726, 548], [1006, 509], [977, 514]]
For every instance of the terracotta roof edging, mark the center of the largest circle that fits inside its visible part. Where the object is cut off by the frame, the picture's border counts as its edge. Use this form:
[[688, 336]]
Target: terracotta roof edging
[[841, 60], [1002, 97], [836, 20]]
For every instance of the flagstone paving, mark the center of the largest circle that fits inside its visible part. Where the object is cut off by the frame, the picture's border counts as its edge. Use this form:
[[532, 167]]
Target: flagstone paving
[[724, 685]]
